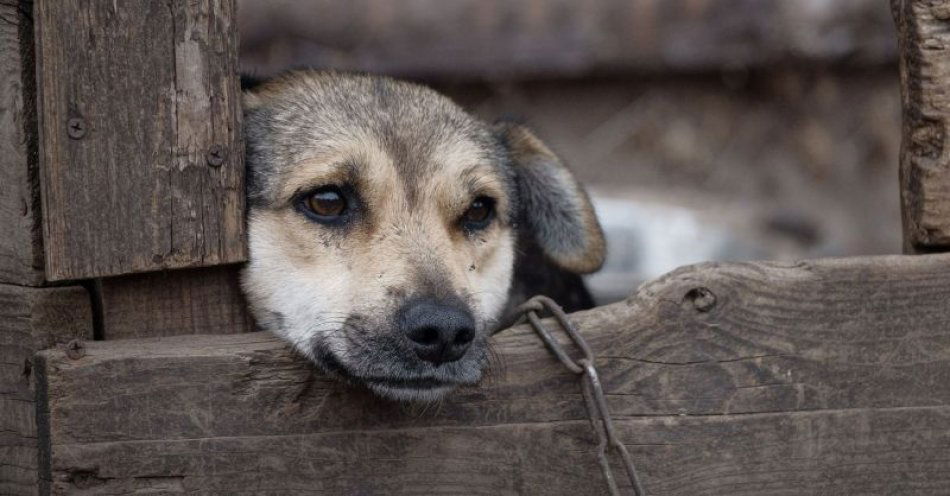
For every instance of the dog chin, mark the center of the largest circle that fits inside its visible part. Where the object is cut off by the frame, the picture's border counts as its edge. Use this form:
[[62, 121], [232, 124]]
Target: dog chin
[[404, 388], [416, 390], [410, 394]]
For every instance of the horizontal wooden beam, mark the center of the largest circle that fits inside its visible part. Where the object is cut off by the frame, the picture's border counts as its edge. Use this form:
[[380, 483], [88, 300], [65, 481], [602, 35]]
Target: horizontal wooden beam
[[501, 39], [827, 377], [849, 452], [924, 41]]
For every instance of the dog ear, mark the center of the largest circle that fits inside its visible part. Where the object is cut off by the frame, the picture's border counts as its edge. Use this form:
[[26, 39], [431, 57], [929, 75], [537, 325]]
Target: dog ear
[[554, 206]]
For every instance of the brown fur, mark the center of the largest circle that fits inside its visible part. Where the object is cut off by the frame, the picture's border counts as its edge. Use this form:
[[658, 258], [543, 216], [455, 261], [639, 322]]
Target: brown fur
[[415, 162]]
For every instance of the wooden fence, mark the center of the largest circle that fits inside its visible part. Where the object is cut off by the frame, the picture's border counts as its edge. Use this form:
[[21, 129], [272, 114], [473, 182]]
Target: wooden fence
[[122, 157]]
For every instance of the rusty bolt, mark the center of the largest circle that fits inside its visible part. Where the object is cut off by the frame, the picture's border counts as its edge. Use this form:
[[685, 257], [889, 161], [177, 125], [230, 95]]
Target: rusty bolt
[[702, 298], [75, 349], [216, 155], [76, 127]]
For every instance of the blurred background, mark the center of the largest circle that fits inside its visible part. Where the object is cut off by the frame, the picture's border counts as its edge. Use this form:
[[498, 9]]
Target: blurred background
[[704, 129]]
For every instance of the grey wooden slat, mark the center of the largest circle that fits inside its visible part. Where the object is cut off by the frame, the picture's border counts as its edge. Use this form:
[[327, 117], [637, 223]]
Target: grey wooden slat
[[194, 301], [925, 158], [31, 319], [21, 251], [830, 376], [849, 452], [141, 152]]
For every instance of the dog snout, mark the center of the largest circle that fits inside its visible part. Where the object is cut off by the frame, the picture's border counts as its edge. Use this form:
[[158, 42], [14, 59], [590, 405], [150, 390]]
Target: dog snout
[[437, 332]]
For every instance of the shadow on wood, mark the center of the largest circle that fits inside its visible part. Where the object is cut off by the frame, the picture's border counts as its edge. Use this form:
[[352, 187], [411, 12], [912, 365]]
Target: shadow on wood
[[207, 300], [828, 377]]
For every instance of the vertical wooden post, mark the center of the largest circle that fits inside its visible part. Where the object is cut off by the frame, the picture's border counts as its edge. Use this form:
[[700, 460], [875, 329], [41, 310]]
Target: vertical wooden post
[[32, 318], [924, 38], [141, 150], [21, 253]]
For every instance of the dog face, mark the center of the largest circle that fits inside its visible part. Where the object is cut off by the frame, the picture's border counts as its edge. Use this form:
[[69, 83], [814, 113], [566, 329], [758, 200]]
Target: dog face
[[382, 227]]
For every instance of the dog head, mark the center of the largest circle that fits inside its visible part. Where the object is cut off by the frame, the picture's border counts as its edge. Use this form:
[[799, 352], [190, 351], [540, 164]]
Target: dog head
[[383, 222]]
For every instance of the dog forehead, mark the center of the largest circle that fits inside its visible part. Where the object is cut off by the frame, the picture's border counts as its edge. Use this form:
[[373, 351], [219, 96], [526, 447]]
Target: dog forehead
[[320, 110], [423, 137]]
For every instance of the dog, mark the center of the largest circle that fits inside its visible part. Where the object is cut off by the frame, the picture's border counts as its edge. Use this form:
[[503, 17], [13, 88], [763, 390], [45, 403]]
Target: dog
[[391, 232]]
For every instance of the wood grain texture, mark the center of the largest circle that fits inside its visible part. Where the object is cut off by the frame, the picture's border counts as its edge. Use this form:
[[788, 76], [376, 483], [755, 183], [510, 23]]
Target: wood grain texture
[[505, 40], [852, 452], [155, 87], [825, 377], [31, 319], [193, 301], [924, 40], [21, 251]]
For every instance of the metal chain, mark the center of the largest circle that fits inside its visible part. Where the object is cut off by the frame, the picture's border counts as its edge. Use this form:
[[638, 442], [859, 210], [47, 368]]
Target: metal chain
[[593, 392]]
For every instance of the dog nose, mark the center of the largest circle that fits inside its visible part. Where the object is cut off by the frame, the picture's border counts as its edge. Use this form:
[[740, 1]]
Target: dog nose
[[439, 333]]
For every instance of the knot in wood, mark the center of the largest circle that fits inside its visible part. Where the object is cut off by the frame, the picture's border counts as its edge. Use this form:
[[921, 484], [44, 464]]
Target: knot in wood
[[75, 349], [702, 298]]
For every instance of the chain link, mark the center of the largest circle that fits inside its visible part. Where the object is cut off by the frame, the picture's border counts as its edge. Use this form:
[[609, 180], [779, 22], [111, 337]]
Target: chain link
[[592, 390]]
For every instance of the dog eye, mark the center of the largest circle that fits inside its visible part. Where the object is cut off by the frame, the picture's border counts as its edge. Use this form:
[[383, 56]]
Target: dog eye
[[479, 214], [326, 203]]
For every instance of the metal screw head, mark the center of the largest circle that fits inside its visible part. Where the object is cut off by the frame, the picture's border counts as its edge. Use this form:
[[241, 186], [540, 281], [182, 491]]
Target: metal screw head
[[76, 127], [702, 298], [216, 155], [75, 349]]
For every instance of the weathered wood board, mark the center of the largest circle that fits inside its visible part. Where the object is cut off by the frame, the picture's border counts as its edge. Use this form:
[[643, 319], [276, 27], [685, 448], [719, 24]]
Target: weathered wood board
[[825, 377], [195, 301], [924, 40], [505, 40], [31, 319], [21, 252], [140, 136]]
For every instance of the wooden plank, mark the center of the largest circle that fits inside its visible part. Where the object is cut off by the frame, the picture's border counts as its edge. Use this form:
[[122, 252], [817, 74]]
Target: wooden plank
[[140, 148], [504, 40], [21, 251], [31, 319], [194, 301], [925, 159], [852, 452], [830, 376]]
